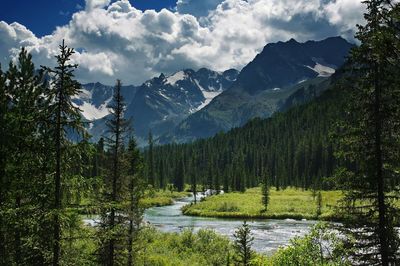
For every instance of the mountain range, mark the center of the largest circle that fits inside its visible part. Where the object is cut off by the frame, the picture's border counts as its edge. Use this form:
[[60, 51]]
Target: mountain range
[[158, 104], [264, 86], [196, 104]]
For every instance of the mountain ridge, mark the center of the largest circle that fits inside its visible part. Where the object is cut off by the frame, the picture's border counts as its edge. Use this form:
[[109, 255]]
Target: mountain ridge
[[262, 85], [158, 104]]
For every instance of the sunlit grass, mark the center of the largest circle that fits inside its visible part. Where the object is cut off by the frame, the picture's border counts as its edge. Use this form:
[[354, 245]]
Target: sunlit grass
[[288, 203]]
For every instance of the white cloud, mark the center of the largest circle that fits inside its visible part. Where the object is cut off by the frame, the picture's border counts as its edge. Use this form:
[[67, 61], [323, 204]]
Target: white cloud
[[198, 8], [344, 13], [93, 4], [115, 40]]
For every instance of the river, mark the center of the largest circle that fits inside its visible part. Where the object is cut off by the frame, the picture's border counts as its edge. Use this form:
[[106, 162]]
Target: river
[[268, 234]]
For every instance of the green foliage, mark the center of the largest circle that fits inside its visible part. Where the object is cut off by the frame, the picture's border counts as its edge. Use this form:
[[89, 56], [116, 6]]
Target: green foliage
[[38, 161], [265, 193], [150, 165], [319, 203], [186, 248], [123, 188], [369, 138], [320, 247], [242, 244], [293, 147]]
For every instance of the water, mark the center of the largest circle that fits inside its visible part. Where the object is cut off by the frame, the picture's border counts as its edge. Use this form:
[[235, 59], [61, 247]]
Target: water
[[268, 234]]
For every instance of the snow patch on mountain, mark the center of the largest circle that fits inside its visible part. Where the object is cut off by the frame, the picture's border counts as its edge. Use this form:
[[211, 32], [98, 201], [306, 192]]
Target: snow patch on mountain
[[172, 80], [208, 95], [323, 71], [163, 95], [91, 112]]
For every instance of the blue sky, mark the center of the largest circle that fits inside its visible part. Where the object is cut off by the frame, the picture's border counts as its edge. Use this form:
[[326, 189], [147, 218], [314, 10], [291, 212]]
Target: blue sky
[[135, 40], [42, 16]]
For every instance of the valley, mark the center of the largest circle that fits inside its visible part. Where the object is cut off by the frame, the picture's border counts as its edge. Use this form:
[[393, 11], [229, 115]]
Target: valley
[[183, 132]]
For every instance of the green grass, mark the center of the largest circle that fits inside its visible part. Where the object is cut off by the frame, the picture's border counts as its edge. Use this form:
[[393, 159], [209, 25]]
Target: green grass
[[289, 203], [161, 198]]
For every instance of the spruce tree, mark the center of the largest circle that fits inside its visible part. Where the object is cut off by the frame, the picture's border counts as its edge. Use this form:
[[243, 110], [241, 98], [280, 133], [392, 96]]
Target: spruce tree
[[194, 179], [113, 218], [370, 143], [3, 153], [136, 192], [24, 112], [66, 117], [242, 244], [180, 175], [319, 203], [265, 192], [151, 178]]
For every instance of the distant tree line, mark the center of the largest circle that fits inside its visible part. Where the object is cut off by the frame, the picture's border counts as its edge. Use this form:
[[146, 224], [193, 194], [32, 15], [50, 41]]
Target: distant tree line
[[292, 148]]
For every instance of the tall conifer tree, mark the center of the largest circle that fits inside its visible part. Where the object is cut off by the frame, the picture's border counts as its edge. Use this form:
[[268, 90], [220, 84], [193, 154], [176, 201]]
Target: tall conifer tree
[[66, 117], [370, 142]]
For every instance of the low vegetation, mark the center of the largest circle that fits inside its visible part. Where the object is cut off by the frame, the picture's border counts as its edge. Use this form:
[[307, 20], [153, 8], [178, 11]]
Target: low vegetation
[[320, 247], [186, 248], [205, 247], [161, 198], [289, 203]]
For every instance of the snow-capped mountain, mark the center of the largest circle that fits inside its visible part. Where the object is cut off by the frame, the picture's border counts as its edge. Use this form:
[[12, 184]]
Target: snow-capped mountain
[[263, 86], [158, 104]]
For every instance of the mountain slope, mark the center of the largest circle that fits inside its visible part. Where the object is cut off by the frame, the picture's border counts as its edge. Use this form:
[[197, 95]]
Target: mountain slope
[[292, 148], [264, 85], [95, 97], [161, 103]]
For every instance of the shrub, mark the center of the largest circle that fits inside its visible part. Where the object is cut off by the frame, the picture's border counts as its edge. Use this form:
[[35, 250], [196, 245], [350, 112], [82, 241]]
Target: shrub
[[321, 246]]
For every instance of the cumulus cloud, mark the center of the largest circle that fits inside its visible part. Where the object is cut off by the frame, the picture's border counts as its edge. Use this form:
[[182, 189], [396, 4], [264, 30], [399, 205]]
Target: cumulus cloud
[[197, 8], [116, 40], [92, 4]]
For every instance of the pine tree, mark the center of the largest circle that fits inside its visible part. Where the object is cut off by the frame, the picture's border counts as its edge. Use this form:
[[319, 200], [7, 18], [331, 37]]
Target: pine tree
[[113, 219], [66, 117], [242, 244], [194, 180], [161, 174], [3, 153], [180, 175], [265, 192], [151, 177], [136, 192], [370, 143], [319, 203], [27, 202]]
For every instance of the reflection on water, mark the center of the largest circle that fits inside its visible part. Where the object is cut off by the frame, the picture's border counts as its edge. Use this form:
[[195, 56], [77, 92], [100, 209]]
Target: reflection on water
[[268, 234]]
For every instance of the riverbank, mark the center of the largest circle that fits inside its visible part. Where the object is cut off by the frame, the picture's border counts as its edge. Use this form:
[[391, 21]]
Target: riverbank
[[162, 198], [151, 199], [284, 204]]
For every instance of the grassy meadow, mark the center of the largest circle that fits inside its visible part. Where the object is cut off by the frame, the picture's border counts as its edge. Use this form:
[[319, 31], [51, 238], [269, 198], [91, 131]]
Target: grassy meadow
[[289, 203]]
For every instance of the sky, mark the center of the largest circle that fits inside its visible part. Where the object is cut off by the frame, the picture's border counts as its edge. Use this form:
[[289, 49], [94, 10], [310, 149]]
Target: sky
[[58, 12], [134, 40]]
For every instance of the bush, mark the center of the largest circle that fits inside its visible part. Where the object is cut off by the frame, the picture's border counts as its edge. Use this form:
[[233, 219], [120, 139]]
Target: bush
[[320, 247], [186, 248]]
